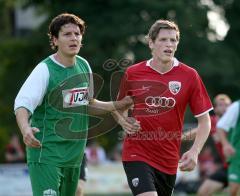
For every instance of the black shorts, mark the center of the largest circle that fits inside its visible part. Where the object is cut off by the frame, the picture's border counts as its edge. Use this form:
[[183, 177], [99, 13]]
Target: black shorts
[[83, 169], [221, 175], [144, 178]]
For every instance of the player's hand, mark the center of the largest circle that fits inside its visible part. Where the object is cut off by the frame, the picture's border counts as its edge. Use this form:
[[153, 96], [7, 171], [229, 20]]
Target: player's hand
[[29, 138], [130, 125], [125, 103], [228, 150], [188, 160]]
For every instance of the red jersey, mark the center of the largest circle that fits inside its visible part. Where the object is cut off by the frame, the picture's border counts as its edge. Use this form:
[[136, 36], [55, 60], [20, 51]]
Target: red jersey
[[216, 140], [160, 101]]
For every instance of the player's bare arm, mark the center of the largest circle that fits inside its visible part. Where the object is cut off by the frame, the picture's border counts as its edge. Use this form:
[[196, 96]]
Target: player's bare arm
[[189, 135], [97, 107], [22, 116], [189, 159], [228, 149]]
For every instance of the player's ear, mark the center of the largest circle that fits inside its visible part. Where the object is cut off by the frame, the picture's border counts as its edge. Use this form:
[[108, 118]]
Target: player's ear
[[55, 41], [150, 43]]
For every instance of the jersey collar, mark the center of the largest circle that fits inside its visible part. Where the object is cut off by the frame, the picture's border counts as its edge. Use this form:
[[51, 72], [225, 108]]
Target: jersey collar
[[175, 64], [55, 61]]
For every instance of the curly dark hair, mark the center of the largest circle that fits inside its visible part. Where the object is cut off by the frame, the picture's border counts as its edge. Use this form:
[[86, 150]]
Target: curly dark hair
[[59, 21]]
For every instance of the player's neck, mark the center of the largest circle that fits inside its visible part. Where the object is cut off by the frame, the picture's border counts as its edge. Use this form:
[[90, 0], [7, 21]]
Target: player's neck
[[67, 61], [161, 66]]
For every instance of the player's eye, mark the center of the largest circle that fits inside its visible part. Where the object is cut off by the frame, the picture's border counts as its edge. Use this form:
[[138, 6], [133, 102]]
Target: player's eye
[[173, 40], [67, 34], [163, 39]]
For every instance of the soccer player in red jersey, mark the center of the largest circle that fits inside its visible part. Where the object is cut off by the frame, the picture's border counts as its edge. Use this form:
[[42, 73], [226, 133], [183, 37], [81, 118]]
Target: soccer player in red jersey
[[162, 88]]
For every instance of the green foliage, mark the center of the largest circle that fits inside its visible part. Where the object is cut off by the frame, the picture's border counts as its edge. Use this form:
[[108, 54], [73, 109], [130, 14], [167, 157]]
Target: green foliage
[[18, 58], [4, 137]]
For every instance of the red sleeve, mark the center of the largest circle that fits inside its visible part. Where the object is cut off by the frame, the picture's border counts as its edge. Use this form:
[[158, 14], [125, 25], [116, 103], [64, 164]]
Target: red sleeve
[[199, 100], [213, 124], [123, 89]]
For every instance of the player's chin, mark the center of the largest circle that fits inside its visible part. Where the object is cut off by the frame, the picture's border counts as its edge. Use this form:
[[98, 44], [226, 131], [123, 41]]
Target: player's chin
[[167, 58], [73, 52]]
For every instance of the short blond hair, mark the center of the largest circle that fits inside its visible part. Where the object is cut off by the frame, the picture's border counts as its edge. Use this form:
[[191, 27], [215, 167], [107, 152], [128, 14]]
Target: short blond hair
[[162, 24]]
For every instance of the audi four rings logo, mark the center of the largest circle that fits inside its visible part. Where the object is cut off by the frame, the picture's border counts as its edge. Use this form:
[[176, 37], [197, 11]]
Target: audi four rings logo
[[164, 102]]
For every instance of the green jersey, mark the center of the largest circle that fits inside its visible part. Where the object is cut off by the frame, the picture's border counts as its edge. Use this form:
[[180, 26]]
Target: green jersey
[[234, 138], [62, 116]]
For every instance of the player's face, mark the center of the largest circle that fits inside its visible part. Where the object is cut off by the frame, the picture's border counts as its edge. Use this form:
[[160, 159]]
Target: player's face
[[69, 40], [221, 107], [165, 45]]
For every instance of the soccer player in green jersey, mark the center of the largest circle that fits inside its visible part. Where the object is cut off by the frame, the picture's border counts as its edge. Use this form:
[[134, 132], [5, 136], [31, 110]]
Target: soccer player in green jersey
[[52, 111], [230, 123]]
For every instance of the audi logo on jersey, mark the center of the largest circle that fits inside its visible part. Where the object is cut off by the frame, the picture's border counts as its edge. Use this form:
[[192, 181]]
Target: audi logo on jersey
[[151, 98], [157, 101]]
